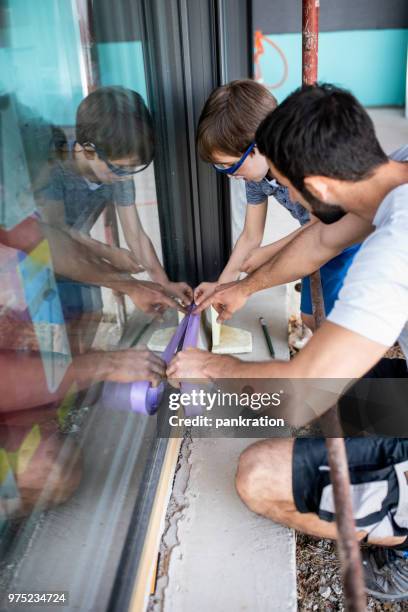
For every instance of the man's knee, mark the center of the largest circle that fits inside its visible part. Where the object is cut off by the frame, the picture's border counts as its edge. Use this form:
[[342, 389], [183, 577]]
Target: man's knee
[[264, 478]]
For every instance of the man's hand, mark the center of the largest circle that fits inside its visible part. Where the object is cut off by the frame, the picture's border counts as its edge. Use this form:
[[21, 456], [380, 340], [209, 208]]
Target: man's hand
[[198, 364], [182, 291], [226, 299], [203, 291], [129, 365], [150, 297]]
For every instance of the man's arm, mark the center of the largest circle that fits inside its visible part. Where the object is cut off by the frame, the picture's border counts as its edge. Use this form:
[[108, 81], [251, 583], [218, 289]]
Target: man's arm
[[23, 384], [306, 253], [334, 353], [262, 255]]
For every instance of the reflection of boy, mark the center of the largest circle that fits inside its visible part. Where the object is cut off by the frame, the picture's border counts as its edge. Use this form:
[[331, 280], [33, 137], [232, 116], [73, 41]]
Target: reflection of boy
[[226, 134], [114, 141]]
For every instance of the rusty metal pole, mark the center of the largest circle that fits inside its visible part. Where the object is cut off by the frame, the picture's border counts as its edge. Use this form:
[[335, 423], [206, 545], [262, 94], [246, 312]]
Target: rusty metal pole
[[347, 545], [310, 53]]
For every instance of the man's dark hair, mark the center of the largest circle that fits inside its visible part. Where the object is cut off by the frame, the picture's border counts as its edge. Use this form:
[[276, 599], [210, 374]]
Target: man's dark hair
[[117, 121], [230, 117], [320, 130]]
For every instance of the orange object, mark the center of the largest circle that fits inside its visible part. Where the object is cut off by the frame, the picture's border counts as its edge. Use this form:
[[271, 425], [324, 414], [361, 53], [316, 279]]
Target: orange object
[[260, 50]]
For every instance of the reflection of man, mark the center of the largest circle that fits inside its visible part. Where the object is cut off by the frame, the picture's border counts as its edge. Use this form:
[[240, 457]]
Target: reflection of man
[[73, 260], [114, 142], [321, 144]]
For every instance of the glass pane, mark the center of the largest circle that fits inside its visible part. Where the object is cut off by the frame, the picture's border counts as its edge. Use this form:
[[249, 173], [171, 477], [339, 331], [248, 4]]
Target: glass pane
[[79, 235]]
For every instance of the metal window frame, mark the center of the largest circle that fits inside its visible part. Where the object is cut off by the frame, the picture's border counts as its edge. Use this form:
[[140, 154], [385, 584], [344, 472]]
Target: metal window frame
[[194, 46]]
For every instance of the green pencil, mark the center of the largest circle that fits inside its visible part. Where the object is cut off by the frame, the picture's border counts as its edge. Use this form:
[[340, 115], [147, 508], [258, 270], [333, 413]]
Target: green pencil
[[267, 336]]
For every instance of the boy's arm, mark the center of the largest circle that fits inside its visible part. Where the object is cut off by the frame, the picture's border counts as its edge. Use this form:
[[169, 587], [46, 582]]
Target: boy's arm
[[75, 261], [307, 252], [53, 213], [250, 238], [120, 258], [142, 248]]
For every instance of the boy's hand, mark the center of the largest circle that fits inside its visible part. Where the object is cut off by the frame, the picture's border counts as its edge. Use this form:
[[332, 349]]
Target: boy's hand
[[182, 291], [226, 299], [203, 291], [150, 297], [254, 260]]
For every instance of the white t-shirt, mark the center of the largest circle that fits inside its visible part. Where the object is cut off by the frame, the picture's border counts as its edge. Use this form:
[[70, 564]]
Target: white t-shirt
[[374, 298]]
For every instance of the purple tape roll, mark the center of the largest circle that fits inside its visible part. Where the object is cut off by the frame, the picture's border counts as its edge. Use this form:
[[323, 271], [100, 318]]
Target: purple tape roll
[[140, 396]]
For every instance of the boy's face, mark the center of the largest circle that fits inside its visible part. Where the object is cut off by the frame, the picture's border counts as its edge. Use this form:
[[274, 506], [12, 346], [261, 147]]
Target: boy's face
[[96, 166], [107, 172], [254, 168]]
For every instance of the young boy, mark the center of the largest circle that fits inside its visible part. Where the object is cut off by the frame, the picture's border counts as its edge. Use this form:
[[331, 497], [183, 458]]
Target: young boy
[[225, 138], [114, 142]]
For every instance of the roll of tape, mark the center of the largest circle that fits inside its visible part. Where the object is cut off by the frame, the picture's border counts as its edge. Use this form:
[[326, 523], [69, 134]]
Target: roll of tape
[[140, 396]]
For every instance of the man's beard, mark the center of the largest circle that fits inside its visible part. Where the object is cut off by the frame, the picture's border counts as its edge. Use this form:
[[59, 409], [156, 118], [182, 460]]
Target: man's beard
[[327, 213]]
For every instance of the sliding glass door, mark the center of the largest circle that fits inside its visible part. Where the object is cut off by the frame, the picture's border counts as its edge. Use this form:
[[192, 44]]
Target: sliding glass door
[[100, 188]]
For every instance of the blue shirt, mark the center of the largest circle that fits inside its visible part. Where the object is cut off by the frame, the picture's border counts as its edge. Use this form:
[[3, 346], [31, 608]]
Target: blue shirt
[[258, 192], [83, 200]]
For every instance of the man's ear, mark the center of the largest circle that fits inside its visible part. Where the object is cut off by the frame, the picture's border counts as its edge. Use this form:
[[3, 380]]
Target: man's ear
[[319, 186]]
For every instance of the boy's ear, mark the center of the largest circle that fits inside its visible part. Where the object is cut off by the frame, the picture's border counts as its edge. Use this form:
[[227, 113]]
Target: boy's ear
[[319, 187]]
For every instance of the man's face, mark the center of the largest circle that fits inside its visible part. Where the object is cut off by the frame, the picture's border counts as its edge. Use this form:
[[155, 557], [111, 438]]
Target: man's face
[[254, 168], [326, 212]]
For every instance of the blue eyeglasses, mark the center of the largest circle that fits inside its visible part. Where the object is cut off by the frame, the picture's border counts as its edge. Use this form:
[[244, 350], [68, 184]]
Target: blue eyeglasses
[[226, 169], [118, 170]]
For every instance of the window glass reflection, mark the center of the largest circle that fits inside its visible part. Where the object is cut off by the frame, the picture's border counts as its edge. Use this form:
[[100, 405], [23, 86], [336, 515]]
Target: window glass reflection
[[81, 285]]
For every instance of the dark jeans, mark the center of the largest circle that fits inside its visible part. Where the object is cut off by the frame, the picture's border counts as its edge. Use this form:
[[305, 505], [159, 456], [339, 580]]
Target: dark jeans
[[378, 403]]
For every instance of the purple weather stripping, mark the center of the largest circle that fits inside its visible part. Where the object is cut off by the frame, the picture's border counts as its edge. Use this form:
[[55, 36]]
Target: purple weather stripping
[[140, 396]]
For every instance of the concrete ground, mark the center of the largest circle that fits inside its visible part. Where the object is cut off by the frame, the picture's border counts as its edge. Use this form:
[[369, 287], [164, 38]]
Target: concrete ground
[[216, 554]]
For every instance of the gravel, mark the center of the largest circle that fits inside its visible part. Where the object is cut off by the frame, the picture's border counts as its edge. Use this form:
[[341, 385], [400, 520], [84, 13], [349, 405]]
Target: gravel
[[318, 580]]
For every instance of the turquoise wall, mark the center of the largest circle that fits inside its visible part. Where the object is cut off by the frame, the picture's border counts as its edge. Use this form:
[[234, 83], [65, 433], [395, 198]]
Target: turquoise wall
[[121, 63], [42, 63], [371, 63]]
